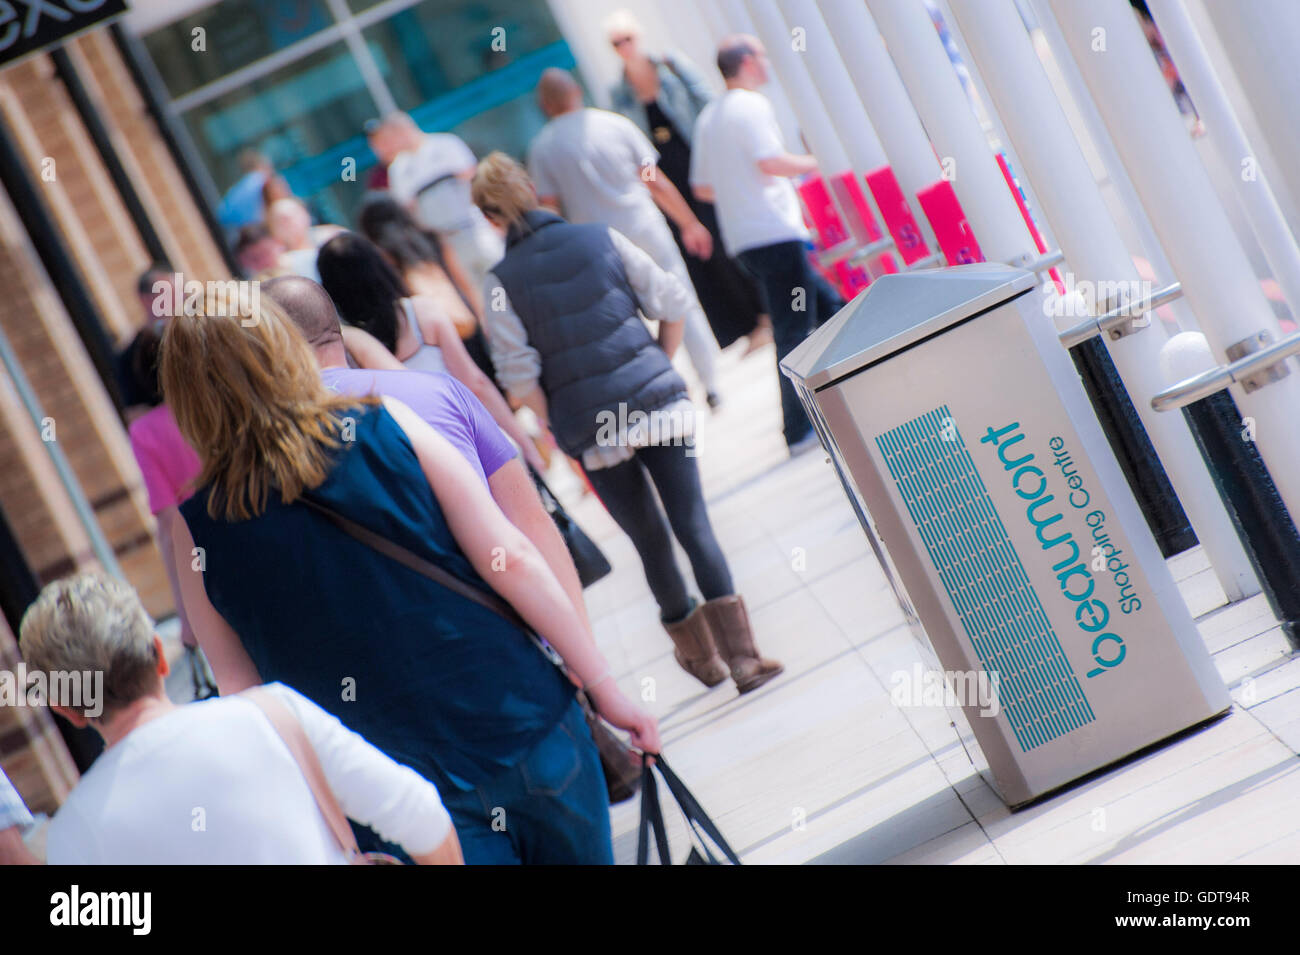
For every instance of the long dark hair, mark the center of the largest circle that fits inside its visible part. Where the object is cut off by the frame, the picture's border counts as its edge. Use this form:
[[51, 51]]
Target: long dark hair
[[365, 288], [385, 222]]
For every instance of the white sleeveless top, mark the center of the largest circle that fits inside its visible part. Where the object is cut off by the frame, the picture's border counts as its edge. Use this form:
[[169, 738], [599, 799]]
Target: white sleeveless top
[[426, 357]]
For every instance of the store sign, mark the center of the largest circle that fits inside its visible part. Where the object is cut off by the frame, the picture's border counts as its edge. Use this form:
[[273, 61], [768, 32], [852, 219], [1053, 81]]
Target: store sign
[[29, 26]]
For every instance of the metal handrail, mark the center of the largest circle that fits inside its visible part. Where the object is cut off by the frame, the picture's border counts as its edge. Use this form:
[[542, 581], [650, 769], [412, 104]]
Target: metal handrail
[[836, 253], [1048, 260], [927, 262], [883, 244], [1216, 379], [1122, 315]]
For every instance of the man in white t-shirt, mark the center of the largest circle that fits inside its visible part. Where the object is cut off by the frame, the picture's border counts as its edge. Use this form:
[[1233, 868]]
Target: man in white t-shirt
[[431, 175], [740, 163], [591, 165], [208, 783]]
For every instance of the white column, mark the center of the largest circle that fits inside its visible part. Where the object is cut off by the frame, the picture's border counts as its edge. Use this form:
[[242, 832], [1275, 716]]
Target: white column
[[1229, 140], [1004, 142], [941, 103], [789, 66], [882, 92], [685, 30], [1262, 39], [1111, 53], [1034, 121], [1114, 173], [593, 66], [833, 85], [835, 91], [713, 20]]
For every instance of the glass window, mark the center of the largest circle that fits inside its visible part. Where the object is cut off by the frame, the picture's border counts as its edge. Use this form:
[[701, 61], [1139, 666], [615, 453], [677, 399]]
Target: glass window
[[234, 33], [298, 116], [441, 45]]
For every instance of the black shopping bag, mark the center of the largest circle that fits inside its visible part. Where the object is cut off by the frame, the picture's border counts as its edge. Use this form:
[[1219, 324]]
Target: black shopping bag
[[588, 558], [652, 819]]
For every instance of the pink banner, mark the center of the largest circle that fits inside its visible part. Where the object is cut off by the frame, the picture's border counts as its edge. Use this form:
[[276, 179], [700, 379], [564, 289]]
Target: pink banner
[[897, 215], [951, 230], [824, 220]]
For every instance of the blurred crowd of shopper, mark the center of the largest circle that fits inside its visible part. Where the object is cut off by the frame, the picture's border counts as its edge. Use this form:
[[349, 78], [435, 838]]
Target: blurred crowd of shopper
[[348, 498]]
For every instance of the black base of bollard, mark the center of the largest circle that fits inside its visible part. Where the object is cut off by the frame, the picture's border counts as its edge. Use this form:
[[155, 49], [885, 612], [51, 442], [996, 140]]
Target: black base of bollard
[[1133, 449], [1265, 527]]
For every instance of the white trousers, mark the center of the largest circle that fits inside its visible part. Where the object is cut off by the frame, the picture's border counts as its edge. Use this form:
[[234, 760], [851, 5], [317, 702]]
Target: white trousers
[[656, 241]]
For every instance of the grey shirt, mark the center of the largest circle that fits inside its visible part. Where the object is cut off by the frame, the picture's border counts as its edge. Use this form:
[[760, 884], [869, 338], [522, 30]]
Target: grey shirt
[[593, 161]]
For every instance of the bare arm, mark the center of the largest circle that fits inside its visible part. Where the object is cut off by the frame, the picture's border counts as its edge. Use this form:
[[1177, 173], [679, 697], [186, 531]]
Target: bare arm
[[787, 165], [704, 193], [439, 330], [515, 494], [457, 276], [367, 350], [165, 518], [514, 568], [670, 336], [535, 400], [13, 851], [695, 237], [231, 664]]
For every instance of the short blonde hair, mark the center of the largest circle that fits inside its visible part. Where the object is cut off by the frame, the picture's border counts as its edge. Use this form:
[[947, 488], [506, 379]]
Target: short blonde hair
[[502, 189], [93, 623]]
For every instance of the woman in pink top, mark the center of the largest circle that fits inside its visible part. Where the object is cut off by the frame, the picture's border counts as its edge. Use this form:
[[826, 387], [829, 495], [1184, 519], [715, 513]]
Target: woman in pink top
[[169, 466]]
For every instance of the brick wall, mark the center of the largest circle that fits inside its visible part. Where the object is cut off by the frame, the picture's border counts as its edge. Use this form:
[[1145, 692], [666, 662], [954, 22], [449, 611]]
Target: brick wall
[[107, 249]]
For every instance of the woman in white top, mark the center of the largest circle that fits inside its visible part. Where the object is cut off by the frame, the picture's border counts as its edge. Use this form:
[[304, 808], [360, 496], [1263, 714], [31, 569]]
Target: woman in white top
[[209, 783], [289, 222], [385, 325]]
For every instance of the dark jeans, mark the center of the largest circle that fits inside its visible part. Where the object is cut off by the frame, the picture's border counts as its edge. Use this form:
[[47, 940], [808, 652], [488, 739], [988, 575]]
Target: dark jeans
[[550, 809], [782, 270], [626, 492]]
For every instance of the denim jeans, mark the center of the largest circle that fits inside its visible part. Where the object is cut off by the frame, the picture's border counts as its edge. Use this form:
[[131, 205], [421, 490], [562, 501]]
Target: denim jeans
[[782, 270], [552, 808], [628, 495]]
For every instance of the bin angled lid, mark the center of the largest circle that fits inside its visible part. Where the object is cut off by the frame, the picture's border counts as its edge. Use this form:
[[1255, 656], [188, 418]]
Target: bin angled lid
[[899, 310]]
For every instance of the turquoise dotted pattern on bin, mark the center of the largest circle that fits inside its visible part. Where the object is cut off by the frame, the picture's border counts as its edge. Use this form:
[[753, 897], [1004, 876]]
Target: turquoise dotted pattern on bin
[[985, 578]]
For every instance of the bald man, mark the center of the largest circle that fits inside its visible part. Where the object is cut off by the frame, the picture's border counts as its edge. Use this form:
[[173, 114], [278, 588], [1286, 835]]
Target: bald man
[[430, 175], [591, 165], [448, 406]]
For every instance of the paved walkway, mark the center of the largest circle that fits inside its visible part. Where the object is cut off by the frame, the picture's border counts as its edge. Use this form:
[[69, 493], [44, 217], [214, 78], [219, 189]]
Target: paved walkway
[[820, 766]]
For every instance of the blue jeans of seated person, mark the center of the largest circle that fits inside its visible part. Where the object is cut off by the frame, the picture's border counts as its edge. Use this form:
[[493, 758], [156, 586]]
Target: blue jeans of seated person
[[552, 808]]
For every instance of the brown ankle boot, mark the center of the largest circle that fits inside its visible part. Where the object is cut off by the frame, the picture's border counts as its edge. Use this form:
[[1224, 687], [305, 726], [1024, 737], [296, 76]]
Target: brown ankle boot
[[729, 621], [694, 649]]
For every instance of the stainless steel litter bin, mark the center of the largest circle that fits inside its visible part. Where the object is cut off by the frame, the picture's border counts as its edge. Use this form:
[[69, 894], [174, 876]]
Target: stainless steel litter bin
[[967, 445]]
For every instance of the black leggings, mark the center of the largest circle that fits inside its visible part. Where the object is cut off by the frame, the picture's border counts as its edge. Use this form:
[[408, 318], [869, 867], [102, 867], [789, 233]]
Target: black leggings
[[627, 494]]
